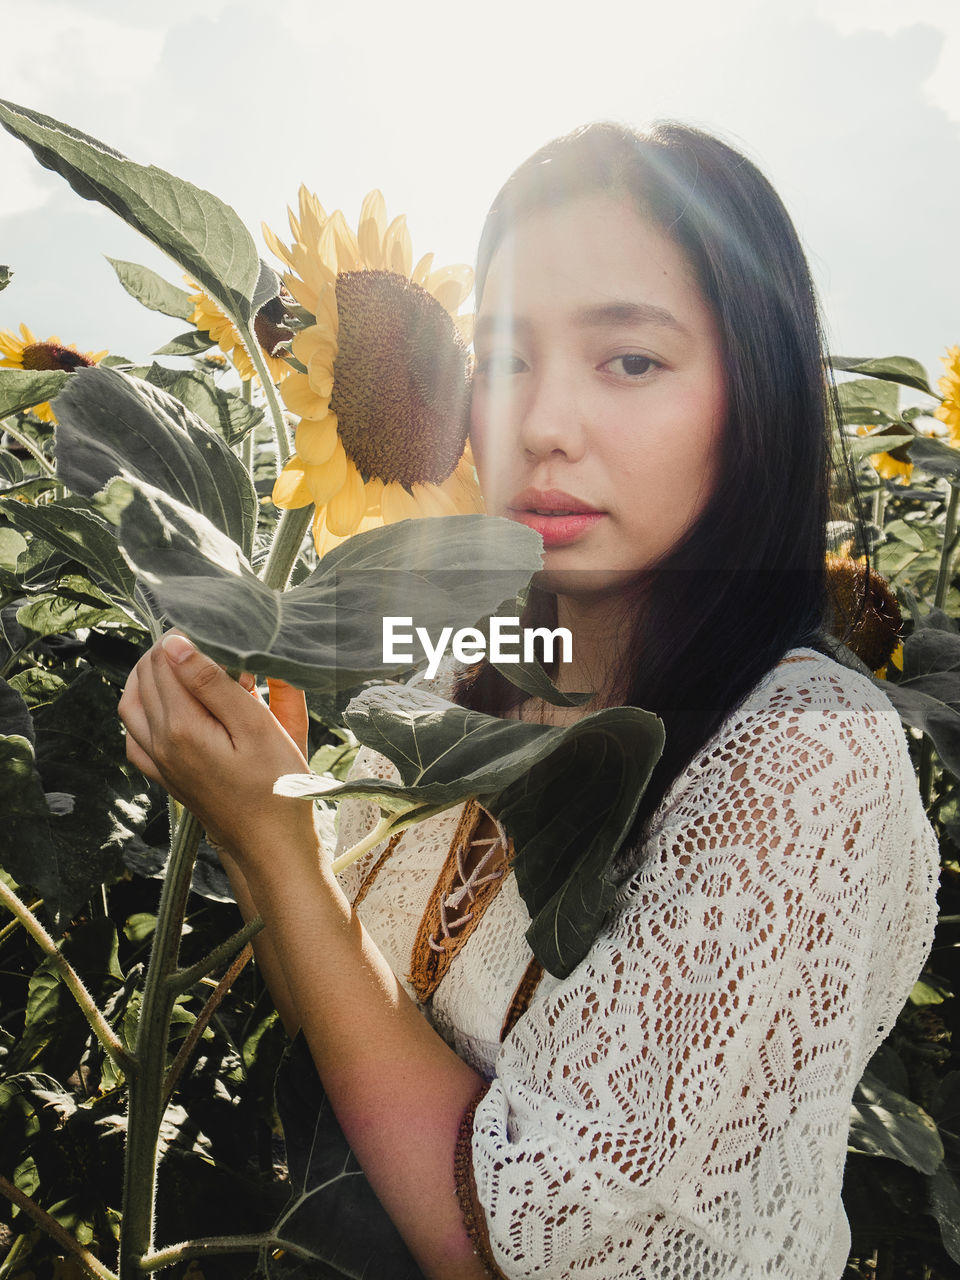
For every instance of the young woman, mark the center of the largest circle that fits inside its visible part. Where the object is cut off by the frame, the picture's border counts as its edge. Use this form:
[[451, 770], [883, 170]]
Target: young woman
[[649, 396]]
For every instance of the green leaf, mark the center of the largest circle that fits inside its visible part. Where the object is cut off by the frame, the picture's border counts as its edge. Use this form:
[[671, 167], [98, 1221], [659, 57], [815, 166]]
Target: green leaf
[[81, 534], [902, 369], [15, 718], [866, 401], [65, 856], [12, 545], [192, 343], [566, 796], [200, 233], [152, 290], [858, 447], [6, 275], [333, 1224], [21, 389], [11, 469], [53, 615], [885, 1123], [935, 457], [906, 533], [326, 633], [944, 1196], [227, 413], [112, 425]]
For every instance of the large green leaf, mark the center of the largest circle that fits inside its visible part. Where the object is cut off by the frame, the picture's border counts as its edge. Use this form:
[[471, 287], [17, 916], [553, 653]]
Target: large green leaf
[[333, 1224], [567, 796], [902, 369], [936, 457], [226, 412], [152, 290], [79, 533], [112, 424], [326, 633], [200, 233], [21, 389], [944, 1193], [885, 1123], [66, 852]]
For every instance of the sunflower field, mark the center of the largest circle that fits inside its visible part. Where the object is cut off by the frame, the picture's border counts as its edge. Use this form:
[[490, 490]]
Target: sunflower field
[[145, 1079]]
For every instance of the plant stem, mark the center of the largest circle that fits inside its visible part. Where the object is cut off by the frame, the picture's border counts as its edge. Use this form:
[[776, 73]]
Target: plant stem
[[145, 1111], [925, 768], [32, 449], [203, 1019], [281, 437], [879, 505], [211, 1245], [387, 826], [287, 540], [17, 922], [93, 1266], [184, 979], [101, 1028], [946, 552]]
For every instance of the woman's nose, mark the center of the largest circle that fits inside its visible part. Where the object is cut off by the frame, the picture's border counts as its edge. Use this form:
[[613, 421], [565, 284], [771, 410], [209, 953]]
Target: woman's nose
[[550, 420]]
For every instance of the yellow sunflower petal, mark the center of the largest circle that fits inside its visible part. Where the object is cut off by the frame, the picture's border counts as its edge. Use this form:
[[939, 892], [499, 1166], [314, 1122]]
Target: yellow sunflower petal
[[316, 441], [275, 244], [328, 478], [398, 247], [450, 285], [348, 251], [29, 338], [303, 293], [432, 501], [370, 229], [328, 317], [346, 508], [320, 373], [421, 272], [464, 325], [301, 400], [396, 504], [374, 490], [290, 489], [308, 342]]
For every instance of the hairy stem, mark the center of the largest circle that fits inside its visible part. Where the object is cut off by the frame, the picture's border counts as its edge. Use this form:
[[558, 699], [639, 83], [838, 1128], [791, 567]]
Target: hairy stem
[[925, 769], [184, 979], [17, 922], [145, 1111], [98, 1023], [35, 453], [93, 1266], [281, 436], [203, 1019], [211, 1245], [287, 540]]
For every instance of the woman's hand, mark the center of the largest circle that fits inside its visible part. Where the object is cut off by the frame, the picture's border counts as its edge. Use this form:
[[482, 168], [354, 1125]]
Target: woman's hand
[[218, 750]]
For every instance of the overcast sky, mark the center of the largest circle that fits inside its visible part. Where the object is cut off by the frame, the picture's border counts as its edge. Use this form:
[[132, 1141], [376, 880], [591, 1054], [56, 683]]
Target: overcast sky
[[852, 107]]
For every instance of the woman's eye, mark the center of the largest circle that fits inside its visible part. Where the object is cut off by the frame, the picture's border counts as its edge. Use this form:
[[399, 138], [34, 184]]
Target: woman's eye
[[631, 365], [499, 364]]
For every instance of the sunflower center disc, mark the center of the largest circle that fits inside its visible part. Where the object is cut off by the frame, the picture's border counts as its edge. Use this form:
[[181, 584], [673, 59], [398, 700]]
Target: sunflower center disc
[[400, 380], [48, 355]]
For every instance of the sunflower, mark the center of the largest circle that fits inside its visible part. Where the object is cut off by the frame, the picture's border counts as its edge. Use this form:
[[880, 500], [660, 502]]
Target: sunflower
[[865, 613], [381, 392], [895, 464], [949, 384], [28, 352], [268, 327]]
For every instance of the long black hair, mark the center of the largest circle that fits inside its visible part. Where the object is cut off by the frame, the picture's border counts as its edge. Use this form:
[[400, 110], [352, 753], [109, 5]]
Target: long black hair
[[747, 580]]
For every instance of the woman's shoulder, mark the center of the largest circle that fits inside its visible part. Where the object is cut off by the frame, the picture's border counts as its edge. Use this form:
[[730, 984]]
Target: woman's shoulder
[[807, 719]]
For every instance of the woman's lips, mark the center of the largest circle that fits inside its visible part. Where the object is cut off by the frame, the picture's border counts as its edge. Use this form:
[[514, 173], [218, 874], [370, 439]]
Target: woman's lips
[[558, 517]]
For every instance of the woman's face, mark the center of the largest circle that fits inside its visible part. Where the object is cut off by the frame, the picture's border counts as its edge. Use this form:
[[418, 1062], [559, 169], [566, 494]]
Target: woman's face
[[599, 392]]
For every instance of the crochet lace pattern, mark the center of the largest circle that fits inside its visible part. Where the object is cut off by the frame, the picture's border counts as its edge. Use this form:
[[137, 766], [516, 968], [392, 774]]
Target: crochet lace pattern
[[677, 1108]]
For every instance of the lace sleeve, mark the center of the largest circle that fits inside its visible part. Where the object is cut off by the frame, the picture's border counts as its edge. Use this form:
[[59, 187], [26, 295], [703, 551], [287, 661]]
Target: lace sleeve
[[678, 1107]]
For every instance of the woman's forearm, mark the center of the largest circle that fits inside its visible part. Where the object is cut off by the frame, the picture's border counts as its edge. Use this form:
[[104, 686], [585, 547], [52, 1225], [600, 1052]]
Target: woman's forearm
[[263, 949], [398, 1090]]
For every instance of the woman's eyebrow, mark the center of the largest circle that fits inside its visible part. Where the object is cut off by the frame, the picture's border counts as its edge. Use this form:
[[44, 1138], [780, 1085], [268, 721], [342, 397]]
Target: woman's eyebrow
[[611, 313]]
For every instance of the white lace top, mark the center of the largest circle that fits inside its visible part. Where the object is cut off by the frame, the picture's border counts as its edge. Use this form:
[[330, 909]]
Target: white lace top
[[677, 1108]]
